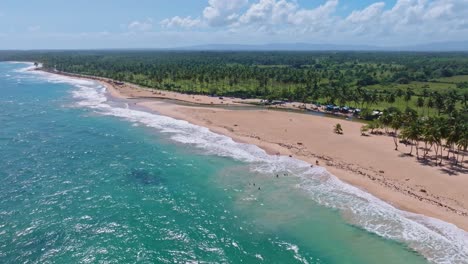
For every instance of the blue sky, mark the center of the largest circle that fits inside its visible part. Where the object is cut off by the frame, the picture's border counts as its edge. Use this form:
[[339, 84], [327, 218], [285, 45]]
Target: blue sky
[[161, 23]]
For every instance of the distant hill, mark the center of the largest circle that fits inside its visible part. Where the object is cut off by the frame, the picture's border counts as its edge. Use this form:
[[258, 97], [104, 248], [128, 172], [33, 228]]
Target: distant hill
[[280, 47], [439, 46], [436, 46]]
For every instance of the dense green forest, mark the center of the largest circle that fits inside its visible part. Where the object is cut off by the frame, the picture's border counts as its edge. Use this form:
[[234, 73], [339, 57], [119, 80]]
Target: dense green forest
[[423, 96], [432, 83]]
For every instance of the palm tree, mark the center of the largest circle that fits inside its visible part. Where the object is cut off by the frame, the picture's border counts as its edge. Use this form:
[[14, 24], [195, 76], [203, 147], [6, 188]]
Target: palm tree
[[439, 102], [462, 143], [391, 98], [408, 95], [452, 133], [465, 99], [429, 104], [387, 116], [420, 102], [409, 116], [395, 124], [426, 134], [412, 132], [433, 135], [425, 92], [375, 124]]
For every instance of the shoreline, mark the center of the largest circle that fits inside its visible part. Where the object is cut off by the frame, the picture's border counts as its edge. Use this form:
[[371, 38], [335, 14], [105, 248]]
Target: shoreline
[[366, 179], [423, 190], [204, 100]]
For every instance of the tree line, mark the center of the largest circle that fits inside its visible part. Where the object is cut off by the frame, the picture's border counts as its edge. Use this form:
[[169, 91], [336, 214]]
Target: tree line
[[362, 79]]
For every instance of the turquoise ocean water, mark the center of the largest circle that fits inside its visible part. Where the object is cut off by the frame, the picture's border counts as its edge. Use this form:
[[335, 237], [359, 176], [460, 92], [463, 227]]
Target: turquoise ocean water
[[88, 179]]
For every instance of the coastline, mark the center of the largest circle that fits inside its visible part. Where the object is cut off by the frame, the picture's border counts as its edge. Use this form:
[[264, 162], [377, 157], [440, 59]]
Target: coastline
[[369, 163], [368, 177]]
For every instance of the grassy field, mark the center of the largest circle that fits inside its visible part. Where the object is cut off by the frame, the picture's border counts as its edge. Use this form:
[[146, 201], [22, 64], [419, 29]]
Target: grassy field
[[221, 86], [454, 79], [416, 87]]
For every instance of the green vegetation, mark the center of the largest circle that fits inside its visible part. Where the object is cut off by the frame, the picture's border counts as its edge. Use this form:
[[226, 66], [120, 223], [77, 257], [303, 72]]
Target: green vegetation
[[422, 96], [437, 134], [453, 79], [432, 83]]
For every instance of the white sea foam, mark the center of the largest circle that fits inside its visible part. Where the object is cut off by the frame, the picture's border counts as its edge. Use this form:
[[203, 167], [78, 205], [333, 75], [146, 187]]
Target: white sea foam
[[30, 66], [438, 241], [20, 62]]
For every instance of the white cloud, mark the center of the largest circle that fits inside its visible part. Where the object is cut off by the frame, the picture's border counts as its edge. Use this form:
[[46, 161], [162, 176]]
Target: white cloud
[[222, 12], [182, 22], [405, 12], [369, 13], [434, 20], [439, 10], [145, 25], [406, 20], [313, 16], [218, 13], [268, 12]]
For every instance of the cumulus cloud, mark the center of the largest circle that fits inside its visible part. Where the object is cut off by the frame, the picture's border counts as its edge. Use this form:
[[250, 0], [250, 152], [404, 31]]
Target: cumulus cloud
[[369, 13], [222, 12], [145, 25], [268, 12], [437, 18], [312, 16], [181, 22], [450, 10], [217, 13], [406, 18]]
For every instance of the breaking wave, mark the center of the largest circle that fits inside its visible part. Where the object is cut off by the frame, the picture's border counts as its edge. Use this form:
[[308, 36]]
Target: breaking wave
[[437, 241]]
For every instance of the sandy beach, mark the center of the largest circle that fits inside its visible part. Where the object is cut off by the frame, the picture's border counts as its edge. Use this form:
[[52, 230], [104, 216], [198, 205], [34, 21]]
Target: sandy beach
[[368, 162]]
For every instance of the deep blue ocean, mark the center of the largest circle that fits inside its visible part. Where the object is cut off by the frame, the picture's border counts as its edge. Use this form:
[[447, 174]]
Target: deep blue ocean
[[87, 179]]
